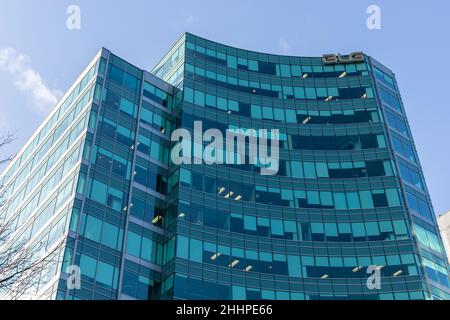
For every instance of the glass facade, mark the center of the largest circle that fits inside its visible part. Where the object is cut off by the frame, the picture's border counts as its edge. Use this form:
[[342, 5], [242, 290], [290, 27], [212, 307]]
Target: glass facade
[[349, 193]]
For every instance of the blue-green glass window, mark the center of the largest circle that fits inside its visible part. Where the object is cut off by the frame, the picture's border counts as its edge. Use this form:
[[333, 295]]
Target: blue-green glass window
[[344, 228], [250, 223], [267, 295], [364, 261], [146, 116], [358, 230], [279, 114], [231, 62], [93, 228], [195, 250], [384, 78], [99, 192], [299, 93], [379, 260], [238, 293], [105, 273], [110, 235], [326, 198], [128, 107], [322, 262], [297, 169], [392, 197], [307, 69], [210, 100], [256, 112], [386, 226], [147, 249], [115, 198], [322, 92], [388, 168], [396, 123], [291, 227], [185, 176], [243, 83], [221, 78], [253, 65], [400, 227], [339, 201], [237, 253], [285, 70], [353, 200], [310, 170], [233, 105], [296, 71], [307, 261], [200, 71], [318, 69], [390, 99], [133, 244], [322, 170], [157, 151], [199, 98], [381, 141], [291, 116], [222, 104], [366, 199], [331, 230], [393, 260], [411, 176], [372, 229], [418, 206], [350, 68], [200, 49], [130, 82], [336, 262], [317, 227], [189, 67], [313, 197], [87, 265], [277, 227], [183, 247], [294, 266], [288, 91], [350, 262], [188, 95], [333, 91], [116, 74], [433, 242], [267, 113], [310, 93], [403, 147]]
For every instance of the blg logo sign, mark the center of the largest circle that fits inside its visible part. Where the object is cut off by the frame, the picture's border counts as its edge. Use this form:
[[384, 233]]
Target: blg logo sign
[[338, 58], [208, 147]]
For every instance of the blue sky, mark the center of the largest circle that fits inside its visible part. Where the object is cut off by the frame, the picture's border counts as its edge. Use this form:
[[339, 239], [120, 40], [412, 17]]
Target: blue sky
[[41, 56]]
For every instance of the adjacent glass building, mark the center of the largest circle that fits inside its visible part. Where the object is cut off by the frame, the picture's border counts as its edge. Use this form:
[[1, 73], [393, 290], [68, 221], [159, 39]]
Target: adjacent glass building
[[349, 193]]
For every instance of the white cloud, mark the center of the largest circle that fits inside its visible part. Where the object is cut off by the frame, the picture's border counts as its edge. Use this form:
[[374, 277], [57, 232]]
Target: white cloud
[[27, 80], [284, 45]]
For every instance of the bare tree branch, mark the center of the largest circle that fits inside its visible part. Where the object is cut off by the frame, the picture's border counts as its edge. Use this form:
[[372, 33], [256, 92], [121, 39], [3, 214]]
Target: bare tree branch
[[23, 265], [5, 140]]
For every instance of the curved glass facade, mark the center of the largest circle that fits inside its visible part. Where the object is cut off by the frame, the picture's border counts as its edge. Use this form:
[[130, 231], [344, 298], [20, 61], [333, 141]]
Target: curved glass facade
[[347, 207], [337, 205]]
